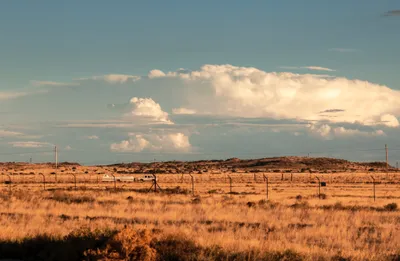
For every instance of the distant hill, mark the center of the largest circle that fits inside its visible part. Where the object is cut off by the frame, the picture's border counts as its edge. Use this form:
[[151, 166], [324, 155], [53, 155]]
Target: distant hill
[[274, 164], [295, 164]]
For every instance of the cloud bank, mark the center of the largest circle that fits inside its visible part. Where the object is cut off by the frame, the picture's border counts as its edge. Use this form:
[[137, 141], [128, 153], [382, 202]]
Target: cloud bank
[[249, 92], [112, 78], [50, 83], [173, 142], [312, 68], [29, 144], [328, 132]]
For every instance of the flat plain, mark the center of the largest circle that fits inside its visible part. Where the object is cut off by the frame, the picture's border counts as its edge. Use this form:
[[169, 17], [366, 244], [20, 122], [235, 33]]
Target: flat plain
[[72, 215]]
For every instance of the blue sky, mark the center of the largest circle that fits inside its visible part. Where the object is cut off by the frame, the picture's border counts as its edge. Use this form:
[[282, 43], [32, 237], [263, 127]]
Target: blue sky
[[69, 71]]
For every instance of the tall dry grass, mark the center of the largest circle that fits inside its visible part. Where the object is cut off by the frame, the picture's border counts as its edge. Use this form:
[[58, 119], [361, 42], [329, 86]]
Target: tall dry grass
[[294, 224]]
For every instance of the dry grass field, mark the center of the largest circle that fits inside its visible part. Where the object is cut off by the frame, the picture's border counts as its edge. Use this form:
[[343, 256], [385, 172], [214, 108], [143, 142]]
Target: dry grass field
[[227, 218]]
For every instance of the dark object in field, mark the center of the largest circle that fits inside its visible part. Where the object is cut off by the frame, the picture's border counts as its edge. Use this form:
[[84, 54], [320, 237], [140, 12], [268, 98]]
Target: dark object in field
[[391, 207], [251, 204], [323, 184]]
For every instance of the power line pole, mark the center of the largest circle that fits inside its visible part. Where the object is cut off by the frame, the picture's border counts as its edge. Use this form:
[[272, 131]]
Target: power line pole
[[56, 156]]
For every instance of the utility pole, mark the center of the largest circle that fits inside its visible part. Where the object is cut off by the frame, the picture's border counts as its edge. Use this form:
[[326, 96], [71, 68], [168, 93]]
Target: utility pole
[[373, 183], [56, 156]]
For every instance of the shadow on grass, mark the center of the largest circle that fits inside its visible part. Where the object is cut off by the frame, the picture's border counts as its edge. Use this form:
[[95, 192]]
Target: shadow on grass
[[44, 247]]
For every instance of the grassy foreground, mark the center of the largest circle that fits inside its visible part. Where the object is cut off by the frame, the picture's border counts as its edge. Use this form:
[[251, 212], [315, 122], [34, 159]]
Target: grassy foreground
[[99, 223]]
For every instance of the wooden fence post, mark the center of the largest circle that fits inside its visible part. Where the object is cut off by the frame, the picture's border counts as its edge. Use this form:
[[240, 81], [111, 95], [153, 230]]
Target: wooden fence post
[[74, 178], [230, 184], [267, 186], [373, 184], [9, 182], [44, 181], [115, 181], [192, 183], [319, 187]]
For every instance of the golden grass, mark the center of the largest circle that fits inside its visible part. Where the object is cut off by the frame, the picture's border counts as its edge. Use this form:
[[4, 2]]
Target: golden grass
[[347, 223]]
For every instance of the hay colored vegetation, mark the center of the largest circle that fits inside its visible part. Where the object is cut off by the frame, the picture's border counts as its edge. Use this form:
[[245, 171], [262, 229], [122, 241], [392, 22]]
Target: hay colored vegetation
[[228, 217]]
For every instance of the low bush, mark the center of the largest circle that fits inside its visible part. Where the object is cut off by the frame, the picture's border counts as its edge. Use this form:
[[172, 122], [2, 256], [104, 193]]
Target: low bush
[[391, 207]]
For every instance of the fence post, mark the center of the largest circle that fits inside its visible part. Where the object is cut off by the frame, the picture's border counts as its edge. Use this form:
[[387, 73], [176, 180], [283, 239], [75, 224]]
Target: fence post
[[291, 177], [267, 186], [44, 181], [282, 176], [373, 184], [115, 181], [230, 184], [192, 183], [255, 178], [319, 187], [9, 182], [74, 178]]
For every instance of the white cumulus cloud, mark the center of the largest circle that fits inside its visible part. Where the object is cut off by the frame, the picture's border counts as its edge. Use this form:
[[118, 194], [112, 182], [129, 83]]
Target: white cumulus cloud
[[389, 120], [323, 130], [249, 92], [156, 74], [328, 132], [148, 109], [183, 111], [173, 142], [120, 78], [341, 131]]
